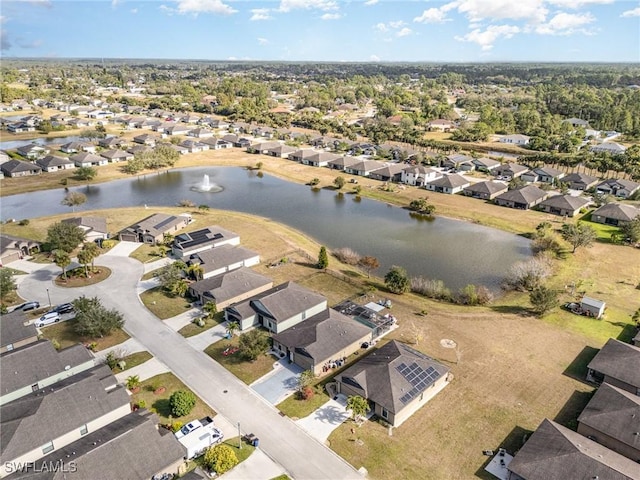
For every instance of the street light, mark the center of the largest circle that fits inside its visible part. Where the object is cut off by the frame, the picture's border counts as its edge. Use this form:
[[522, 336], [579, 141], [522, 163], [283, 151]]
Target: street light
[[239, 437], [49, 297]]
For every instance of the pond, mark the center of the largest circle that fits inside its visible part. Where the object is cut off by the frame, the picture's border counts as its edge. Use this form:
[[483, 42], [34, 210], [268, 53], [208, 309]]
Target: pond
[[450, 250]]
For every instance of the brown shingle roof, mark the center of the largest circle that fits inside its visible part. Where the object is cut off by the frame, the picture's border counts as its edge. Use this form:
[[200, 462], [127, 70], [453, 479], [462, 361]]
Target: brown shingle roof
[[618, 360]]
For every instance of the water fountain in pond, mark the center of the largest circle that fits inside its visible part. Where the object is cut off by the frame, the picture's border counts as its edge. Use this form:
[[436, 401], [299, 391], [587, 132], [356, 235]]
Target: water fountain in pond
[[207, 186]]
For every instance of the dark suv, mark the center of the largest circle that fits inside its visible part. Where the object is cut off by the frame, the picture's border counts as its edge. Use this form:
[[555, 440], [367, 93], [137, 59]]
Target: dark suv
[[64, 308], [25, 307]]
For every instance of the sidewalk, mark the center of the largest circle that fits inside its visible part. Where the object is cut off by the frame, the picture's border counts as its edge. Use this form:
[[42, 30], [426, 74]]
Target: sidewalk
[[145, 285], [257, 466], [129, 346], [206, 338], [148, 369], [179, 321], [156, 264]]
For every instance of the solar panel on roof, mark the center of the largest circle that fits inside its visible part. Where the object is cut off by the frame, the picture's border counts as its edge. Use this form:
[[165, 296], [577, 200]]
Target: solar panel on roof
[[419, 379], [165, 222]]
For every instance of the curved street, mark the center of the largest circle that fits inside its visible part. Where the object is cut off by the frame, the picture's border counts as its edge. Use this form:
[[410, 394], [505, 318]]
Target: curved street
[[301, 456]]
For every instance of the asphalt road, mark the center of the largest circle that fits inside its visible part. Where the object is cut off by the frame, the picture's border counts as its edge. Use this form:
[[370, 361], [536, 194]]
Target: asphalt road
[[298, 453]]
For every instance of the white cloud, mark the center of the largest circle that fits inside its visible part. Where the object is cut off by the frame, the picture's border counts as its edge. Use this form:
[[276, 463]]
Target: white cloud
[[371, 2], [477, 10], [262, 41], [288, 5], [566, 24], [204, 6], [397, 24], [42, 3], [381, 27], [258, 14], [577, 3], [487, 38], [134, 10], [331, 16], [631, 13], [404, 32], [167, 10], [374, 58], [432, 15], [114, 3]]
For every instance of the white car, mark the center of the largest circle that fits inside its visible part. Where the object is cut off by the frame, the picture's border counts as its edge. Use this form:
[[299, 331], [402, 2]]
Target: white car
[[47, 319], [188, 428]]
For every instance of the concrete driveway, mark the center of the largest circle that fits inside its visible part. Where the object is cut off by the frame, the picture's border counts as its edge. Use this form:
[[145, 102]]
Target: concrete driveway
[[326, 419], [278, 384]]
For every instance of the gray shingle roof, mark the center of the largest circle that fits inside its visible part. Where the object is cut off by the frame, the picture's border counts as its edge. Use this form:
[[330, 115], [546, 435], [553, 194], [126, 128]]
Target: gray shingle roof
[[344, 161], [13, 329], [566, 202], [35, 362], [132, 447], [617, 211], [288, 299], [323, 335], [96, 224], [618, 360], [528, 194], [580, 178], [156, 224], [30, 422], [53, 161], [379, 377], [615, 413], [489, 187], [230, 285], [554, 452], [221, 256], [450, 181], [14, 166]]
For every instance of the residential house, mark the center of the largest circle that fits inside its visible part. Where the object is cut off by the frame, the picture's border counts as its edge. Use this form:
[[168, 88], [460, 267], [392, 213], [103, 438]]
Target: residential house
[[485, 190], [554, 452], [302, 154], [221, 259], [216, 143], [612, 148], [522, 198], [237, 141], [484, 164], [81, 123], [190, 119], [264, 132], [131, 447], [200, 133], [618, 364], [230, 287], [515, 139], [325, 142], [458, 162], [14, 248], [18, 168], [396, 379], [619, 188], [509, 171], [612, 418], [592, 307], [44, 421], [441, 125], [343, 162], [33, 151], [52, 163], [319, 159], [543, 174], [277, 309], [37, 365], [580, 181], [577, 122], [280, 151], [186, 244], [138, 149], [16, 332], [88, 160], [153, 228], [20, 127], [114, 156], [419, 175], [450, 184], [391, 172], [322, 340], [75, 147], [178, 129], [179, 148], [194, 146], [94, 228], [146, 139], [262, 147], [564, 205], [112, 142], [615, 214], [363, 168]]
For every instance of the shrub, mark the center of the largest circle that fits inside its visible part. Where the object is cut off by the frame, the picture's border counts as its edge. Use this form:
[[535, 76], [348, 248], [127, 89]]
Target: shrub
[[142, 404], [396, 280], [314, 182], [430, 288], [307, 393], [347, 255], [220, 458], [24, 222], [525, 276], [175, 426], [55, 343], [111, 360], [182, 402]]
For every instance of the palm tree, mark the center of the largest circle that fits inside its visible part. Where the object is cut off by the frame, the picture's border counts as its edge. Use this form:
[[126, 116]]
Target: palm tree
[[180, 288], [92, 251], [85, 260], [232, 328], [62, 260], [196, 271], [358, 406], [210, 308]]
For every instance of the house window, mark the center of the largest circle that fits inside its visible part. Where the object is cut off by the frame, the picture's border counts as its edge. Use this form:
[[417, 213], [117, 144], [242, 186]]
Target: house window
[[47, 447], [34, 387], [84, 429], [385, 413]]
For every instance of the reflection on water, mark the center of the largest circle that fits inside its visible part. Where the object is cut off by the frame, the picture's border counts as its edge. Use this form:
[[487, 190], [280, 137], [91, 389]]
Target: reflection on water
[[454, 251]]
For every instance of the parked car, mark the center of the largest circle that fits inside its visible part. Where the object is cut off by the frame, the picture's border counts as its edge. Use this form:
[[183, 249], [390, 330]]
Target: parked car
[[188, 428], [47, 319], [64, 308], [25, 307]]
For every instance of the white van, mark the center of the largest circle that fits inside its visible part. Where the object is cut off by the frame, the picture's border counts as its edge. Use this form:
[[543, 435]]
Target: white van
[[47, 319]]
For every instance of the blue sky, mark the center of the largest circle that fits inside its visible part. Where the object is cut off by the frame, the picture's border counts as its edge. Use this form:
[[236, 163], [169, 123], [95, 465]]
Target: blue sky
[[325, 30]]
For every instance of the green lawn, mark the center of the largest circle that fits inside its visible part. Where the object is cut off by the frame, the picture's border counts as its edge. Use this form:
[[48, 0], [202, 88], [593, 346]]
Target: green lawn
[[603, 231], [246, 371], [148, 275], [146, 253], [295, 407], [162, 304], [192, 329], [64, 333], [281, 477], [134, 360], [159, 403]]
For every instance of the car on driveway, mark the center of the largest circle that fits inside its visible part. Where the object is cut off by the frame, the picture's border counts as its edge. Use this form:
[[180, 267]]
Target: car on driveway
[[188, 428], [64, 308], [48, 319], [25, 307]]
